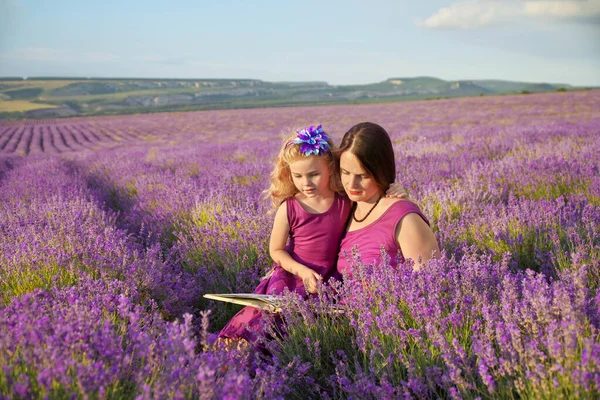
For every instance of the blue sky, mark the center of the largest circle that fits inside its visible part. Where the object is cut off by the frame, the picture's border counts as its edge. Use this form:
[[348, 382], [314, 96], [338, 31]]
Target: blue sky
[[341, 42]]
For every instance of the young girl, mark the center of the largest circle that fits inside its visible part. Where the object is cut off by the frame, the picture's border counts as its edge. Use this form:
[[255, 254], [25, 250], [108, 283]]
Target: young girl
[[309, 223]]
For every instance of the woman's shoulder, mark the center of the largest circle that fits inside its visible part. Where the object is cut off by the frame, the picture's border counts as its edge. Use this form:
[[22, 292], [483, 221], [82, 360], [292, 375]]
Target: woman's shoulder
[[400, 204], [399, 208]]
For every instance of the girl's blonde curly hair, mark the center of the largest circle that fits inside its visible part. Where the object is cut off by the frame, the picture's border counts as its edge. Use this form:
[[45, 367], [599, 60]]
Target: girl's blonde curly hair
[[282, 187]]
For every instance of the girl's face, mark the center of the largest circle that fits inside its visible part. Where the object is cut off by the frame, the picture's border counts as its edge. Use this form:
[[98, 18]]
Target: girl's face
[[357, 181], [311, 175]]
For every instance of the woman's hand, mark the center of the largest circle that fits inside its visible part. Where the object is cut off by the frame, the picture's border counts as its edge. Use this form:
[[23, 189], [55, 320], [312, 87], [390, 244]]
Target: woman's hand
[[310, 279], [397, 191]]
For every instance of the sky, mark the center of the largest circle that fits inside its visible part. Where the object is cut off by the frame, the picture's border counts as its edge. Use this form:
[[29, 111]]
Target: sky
[[340, 42]]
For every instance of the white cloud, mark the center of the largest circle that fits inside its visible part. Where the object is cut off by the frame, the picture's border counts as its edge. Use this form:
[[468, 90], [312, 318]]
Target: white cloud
[[562, 9], [468, 15], [56, 55], [472, 14]]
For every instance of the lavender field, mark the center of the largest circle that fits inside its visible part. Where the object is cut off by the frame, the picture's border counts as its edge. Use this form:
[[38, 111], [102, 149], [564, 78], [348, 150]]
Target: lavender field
[[112, 229]]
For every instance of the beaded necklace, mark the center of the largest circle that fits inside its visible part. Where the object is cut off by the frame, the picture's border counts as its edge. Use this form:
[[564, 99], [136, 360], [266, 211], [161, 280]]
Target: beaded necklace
[[369, 213]]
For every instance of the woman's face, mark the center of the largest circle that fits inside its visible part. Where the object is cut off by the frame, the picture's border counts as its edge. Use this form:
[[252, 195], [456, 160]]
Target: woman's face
[[357, 181]]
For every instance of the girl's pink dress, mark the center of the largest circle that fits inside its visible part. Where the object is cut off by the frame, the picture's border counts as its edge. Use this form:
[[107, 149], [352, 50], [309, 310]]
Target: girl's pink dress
[[379, 234], [314, 241]]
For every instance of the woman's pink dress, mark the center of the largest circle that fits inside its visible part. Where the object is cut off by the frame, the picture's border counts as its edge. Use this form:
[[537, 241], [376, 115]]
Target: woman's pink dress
[[314, 241], [380, 233]]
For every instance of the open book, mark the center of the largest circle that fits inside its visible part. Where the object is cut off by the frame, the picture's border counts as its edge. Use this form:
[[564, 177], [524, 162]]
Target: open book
[[266, 302], [263, 301]]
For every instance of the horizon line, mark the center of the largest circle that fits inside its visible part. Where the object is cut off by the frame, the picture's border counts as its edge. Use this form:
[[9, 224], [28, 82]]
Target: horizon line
[[50, 77]]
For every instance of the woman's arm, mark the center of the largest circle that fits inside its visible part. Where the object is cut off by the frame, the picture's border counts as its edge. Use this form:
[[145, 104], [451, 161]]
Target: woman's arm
[[279, 237], [416, 240]]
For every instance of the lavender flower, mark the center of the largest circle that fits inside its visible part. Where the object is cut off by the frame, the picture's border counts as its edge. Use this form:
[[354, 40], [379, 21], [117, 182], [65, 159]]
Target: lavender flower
[[112, 228]]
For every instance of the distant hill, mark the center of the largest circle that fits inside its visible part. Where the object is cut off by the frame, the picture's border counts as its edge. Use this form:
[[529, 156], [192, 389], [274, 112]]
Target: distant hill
[[48, 97]]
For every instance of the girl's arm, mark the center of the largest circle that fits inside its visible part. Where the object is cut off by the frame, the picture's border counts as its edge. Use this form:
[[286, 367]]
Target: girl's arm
[[279, 237], [397, 191], [416, 240]]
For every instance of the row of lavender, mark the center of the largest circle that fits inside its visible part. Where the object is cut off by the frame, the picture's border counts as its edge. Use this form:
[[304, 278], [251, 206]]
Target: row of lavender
[[65, 137], [102, 252], [33, 137]]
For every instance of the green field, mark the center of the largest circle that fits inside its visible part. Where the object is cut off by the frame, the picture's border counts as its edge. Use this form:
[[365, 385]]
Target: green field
[[21, 106], [61, 97]]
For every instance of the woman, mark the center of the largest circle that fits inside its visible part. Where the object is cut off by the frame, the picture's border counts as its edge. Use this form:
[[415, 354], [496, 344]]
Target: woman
[[367, 167]]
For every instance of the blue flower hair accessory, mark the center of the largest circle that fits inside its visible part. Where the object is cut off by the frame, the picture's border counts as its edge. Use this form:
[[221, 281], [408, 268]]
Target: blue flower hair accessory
[[313, 141]]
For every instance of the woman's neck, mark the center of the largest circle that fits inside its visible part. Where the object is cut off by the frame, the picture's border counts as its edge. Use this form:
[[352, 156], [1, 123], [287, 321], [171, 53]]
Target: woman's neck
[[367, 204]]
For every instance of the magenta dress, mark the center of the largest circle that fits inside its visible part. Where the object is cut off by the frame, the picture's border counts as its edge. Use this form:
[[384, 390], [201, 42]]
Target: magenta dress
[[380, 233], [314, 241]]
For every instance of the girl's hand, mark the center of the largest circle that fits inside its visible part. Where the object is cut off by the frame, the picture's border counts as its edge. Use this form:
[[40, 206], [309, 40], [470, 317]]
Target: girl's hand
[[310, 279], [397, 191]]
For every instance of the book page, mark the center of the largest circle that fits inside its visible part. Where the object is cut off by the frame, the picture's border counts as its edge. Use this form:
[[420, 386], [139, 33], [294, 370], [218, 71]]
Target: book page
[[262, 301], [266, 302]]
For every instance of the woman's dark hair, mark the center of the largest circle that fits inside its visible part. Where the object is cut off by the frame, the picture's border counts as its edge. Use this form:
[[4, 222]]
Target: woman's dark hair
[[372, 145]]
